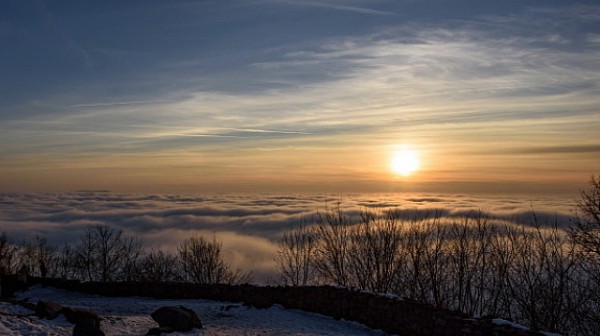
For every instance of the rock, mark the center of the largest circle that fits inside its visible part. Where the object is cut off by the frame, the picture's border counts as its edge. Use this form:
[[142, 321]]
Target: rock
[[87, 323], [178, 318], [159, 330], [258, 302], [76, 316], [87, 327], [228, 307], [12, 284], [25, 304], [48, 309]]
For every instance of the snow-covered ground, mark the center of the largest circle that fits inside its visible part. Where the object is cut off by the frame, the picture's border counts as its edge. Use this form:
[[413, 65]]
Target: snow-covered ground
[[131, 316]]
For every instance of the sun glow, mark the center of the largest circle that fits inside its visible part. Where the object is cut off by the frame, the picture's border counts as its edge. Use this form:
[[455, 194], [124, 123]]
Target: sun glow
[[405, 162]]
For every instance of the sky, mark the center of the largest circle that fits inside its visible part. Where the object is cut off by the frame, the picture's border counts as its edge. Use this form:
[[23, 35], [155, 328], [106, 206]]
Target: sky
[[299, 96]]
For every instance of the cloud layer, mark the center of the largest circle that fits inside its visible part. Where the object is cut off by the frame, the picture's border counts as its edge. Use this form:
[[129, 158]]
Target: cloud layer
[[248, 226]]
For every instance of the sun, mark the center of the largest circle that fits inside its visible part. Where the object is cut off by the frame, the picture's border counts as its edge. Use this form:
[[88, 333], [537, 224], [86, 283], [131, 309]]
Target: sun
[[405, 162]]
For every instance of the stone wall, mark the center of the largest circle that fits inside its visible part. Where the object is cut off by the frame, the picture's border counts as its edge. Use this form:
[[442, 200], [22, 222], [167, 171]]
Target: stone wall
[[393, 315]]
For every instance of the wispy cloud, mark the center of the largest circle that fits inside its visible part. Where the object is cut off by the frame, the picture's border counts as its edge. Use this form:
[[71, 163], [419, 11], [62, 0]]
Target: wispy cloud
[[449, 87], [269, 131], [108, 104], [195, 135], [335, 6], [565, 149]]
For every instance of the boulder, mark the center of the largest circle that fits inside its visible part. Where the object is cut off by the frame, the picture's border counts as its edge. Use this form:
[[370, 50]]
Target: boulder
[[87, 327], [258, 302], [12, 284], [178, 318], [159, 330], [48, 309], [76, 316]]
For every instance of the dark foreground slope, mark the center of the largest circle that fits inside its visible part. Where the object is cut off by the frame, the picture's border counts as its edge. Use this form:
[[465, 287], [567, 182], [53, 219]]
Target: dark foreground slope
[[391, 314]]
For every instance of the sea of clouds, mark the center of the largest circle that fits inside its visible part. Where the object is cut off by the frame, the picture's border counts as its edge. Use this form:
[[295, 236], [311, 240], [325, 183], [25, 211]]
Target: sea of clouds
[[249, 226]]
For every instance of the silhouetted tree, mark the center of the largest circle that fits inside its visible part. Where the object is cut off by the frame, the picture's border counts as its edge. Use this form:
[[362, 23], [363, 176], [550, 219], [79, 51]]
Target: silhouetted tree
[[65, 264], [131, 252], [529, 273], [468, 248], [374, 255], [202, 263], [158, 266], [296, 255], [332, 252], [8, 255], [586, 227], [585, 232], [107, 254], [44, 256]]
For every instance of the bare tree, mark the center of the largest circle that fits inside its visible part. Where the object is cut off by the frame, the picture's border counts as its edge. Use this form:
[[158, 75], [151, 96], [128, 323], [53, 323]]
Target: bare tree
[[158, 266], [468, 250], [65, 263], [132, 252], [501, 256], [8, 255], [532, 273], [41, 256], [585, 233], [374, 255], [585, 230], [543, 279], [414, 280], [436, 265], [296, 255], [107, 254], [109, 250], [202, 263], [332, 253]]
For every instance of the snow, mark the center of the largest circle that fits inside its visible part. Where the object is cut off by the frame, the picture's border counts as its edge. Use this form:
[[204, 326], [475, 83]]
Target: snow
[[512, 324], [390, 296], [131, 316], [519, 326]]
